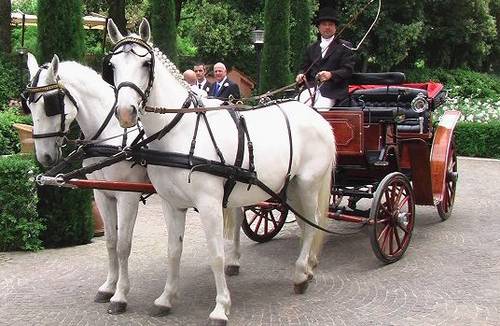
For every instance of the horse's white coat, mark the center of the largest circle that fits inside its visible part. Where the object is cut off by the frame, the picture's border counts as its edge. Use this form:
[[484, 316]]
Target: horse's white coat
[[308, 191], [95, 99]]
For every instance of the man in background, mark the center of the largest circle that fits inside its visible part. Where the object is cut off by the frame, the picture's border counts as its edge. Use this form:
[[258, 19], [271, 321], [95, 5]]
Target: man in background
[[223, 87], [190, 78], [201, 72]]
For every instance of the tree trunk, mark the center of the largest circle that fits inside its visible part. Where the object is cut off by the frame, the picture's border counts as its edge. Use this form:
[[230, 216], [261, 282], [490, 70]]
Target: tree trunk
[[117, 13], [5, 43]]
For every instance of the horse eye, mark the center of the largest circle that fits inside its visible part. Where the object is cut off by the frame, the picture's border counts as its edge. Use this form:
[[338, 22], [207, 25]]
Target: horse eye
[[147, 63]]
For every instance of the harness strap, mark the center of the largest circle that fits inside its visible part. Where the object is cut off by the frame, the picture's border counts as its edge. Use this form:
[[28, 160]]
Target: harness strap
[[105, 123], [193, 141], [240, 152], [290, 144]]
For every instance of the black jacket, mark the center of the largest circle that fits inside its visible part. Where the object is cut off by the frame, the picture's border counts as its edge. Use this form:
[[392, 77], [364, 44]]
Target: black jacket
[[228, 88], [338, 60]]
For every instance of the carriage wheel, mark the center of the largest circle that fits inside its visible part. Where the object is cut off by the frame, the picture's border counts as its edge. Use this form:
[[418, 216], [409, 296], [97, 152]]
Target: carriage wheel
[[445, 207], [392, 217], [263, 222]]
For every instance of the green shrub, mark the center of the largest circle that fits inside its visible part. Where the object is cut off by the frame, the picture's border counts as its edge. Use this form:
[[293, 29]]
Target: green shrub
[[460, 82], [478, 139], [67, 214], [9, 139], [9, 78], [20, 225]]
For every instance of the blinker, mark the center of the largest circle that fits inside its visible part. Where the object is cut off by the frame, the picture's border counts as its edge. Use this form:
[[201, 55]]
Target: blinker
[[54, 103]]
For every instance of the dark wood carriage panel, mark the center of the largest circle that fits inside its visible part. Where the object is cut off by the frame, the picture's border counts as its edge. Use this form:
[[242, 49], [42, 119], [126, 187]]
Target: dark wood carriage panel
[[348, 130]]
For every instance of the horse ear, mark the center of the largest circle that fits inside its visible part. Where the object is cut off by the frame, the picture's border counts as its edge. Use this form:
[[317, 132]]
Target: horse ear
[[145, 30], [113, 32], [54, 67], [32, 65]]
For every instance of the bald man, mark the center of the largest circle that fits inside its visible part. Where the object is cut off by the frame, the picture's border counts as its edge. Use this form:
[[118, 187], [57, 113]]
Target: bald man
[[190, 78], [223, 87]]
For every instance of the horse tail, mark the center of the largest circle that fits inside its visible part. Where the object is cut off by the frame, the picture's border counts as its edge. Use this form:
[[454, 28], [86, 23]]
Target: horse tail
[[322, 212], [228, 217]]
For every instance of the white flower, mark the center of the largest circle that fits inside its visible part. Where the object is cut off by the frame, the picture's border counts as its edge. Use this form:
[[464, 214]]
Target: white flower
[[226, 85]]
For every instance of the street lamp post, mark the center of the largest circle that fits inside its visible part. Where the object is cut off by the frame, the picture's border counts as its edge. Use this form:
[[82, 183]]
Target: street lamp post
[[258, 42]]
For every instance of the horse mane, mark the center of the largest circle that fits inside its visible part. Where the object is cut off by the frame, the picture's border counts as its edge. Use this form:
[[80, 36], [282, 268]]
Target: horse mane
[[165, 61], [171, 67]]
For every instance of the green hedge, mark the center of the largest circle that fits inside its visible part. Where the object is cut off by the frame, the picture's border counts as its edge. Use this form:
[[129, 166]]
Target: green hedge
[[478, 139], [9, 139], [460, 82], [9, 78], [20, 225]]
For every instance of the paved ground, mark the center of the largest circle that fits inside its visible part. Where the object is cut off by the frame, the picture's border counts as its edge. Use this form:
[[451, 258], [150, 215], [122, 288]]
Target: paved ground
[[449, 276]]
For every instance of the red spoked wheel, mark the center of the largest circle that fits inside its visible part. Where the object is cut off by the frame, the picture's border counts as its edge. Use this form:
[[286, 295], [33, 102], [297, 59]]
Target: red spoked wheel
[[264, 221], [445, 207], [392, 217]]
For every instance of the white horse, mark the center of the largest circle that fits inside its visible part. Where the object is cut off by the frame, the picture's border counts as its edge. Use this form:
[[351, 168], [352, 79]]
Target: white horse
[[94, 99], [311, 165]]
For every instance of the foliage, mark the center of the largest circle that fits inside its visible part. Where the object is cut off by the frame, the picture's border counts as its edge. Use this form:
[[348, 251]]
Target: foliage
[[9, 139], [473, 110], [28, 7], [300, 29], [461, 82], [67, 215], [163, 27], [459, 33], [9, 79], [221, 32], [60, 29], [20, 226], [274, 68], [478, 139], [30, 39], [5, 30]]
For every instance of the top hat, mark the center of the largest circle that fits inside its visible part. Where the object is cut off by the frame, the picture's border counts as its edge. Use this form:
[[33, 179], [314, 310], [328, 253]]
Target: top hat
[[327, 13]]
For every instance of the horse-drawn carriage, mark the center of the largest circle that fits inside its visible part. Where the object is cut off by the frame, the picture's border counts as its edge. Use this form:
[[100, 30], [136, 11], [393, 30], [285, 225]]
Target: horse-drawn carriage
[[389, 150]]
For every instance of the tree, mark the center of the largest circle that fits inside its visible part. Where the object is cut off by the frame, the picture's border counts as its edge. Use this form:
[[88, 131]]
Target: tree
[[164, 28], [60, 29], [301, 30], [459, 33], [5, 32], [117, 13], [275, 69]]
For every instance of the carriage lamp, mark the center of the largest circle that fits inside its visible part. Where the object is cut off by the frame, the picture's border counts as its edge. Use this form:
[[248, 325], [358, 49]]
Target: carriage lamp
[[420, 104], [258, 42]]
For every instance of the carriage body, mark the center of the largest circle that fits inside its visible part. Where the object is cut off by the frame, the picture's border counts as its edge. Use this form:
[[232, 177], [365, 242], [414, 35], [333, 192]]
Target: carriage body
[[390, 151]]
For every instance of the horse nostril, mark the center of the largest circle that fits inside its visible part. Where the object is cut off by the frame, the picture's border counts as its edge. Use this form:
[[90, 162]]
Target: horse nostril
[[48, 159]]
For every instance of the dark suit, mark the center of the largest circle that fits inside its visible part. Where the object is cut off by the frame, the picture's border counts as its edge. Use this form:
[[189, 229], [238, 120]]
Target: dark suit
[[338, 60], [228, 88], [205, 86]]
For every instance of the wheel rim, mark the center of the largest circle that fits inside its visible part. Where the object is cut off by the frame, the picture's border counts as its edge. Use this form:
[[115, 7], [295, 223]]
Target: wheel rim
[[263, 222], [393, 219], [446, 205]]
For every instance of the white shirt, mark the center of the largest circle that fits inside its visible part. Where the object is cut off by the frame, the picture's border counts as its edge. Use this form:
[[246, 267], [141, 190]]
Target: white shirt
[[325, 42], [198, 91]]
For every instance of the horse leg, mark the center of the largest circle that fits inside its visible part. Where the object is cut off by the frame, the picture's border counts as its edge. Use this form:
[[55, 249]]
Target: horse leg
[[127, 206], [176, 221], [303, 197], [107, 208], [211, 218], [233, 256]]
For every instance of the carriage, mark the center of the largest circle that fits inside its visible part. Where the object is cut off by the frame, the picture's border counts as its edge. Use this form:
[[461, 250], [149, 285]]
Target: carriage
[[389, 150]]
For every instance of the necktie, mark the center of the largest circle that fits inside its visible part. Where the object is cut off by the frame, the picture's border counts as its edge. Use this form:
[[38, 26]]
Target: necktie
[[217, 87], [199, 85]]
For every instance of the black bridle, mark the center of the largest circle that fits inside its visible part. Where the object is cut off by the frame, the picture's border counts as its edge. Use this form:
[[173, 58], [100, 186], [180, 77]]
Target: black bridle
[[53, 102], [151, 64]]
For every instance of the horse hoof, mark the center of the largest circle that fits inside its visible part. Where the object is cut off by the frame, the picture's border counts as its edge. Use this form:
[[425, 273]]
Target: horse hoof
[[160, 311], [217, 322], [300, 288], [116, 308], [232, 270], [102, 297]]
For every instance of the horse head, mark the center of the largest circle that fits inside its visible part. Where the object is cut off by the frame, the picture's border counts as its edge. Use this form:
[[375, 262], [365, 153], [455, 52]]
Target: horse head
[[132, 64], [51, 109]]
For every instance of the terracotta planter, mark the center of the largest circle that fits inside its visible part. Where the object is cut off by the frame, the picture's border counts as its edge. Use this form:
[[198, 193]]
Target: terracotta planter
[[25, 135], [98, 223]]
